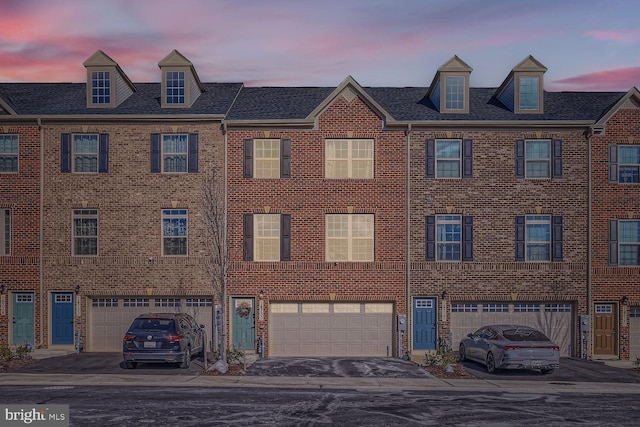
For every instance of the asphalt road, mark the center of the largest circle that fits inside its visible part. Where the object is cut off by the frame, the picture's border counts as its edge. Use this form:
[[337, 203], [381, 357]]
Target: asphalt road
[[175, 406]]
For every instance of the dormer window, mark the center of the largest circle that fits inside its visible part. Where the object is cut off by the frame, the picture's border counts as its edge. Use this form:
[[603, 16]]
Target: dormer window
[[181, 86], [175, 87], [528, 93], [101, 87], [449, 91], [522, 91], [107, 85]]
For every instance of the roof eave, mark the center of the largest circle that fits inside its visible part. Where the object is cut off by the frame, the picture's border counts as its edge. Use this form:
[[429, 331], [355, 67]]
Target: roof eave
[[114, 118]]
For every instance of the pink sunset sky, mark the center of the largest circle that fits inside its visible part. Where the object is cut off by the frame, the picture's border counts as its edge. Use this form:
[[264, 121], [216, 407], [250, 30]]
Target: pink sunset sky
[[588, 45]]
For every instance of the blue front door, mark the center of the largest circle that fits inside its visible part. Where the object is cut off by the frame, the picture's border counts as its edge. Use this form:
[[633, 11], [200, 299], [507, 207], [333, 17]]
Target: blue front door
[[23, 319], [61, 318], [424, 324], [243, 330]]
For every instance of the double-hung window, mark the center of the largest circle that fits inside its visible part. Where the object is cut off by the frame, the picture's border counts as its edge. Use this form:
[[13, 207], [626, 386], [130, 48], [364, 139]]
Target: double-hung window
[[349, 237], [349, 158], [100, 87], [85, 232], [84, 153], [267, 158], [529, 95], [267, 237], [538, 158], [624, 163], [175, 84], [454, 93], [5, 231], [624, 242], [449, 237], [174, 153], [174, 232], [8, 153], [539, 238], [449, 158]]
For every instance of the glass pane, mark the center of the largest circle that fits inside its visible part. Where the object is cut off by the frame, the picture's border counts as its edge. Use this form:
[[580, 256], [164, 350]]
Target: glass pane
[[538, 252], [538, 169], [628, 174], [629, 154], [449, 252], [448, 149], [629, 231], [454, 93], [528, 93], [337, 226], [538, 232], [337, 249]]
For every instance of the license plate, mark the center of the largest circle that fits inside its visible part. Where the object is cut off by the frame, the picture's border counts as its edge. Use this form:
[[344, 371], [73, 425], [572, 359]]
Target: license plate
[[149, 344]]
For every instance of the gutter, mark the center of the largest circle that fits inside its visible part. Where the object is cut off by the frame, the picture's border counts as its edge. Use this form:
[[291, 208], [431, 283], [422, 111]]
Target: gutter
[[115, 118]]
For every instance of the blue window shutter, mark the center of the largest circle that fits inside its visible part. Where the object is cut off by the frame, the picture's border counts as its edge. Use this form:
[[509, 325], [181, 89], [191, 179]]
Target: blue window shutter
[[613, 163], [65, 153], [285, 237], [430, 237], [155, 153], [520, 236], [247, 234], [467, 237], [557, 158], [467, 158], [248, 159], [613, 242], [192, 161], [520, 158], [103, 153], [285, 158], [556, 238], [430, 158]]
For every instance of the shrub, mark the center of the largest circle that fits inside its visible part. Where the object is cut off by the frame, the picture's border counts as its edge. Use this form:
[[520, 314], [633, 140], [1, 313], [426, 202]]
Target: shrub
[[21, 352], [441, 358], [235, 354]]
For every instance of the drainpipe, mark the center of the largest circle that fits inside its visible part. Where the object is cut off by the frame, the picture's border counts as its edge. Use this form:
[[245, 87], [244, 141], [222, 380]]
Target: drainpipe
[[408, 239], [589, 249], [40, 255]]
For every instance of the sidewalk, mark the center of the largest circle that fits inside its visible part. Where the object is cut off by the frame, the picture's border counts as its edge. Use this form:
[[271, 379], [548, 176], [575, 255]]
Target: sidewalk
[[361, 384]]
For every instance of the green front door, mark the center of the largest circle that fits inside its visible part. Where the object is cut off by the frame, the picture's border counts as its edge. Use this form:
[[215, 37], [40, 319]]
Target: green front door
[[243, 329], [23, 319]]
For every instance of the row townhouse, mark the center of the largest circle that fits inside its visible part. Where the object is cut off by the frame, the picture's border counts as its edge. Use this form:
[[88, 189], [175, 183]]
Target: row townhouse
[[360, 221]]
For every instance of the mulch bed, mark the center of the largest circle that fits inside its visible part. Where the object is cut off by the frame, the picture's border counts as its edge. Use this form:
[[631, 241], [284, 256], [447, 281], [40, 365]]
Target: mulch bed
[[8, 366], [459, 372]]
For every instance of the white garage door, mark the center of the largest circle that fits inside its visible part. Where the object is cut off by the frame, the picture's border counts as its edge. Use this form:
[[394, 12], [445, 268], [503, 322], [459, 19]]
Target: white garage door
[[110, 317], [554, 319], [331, 329], [634, 333]]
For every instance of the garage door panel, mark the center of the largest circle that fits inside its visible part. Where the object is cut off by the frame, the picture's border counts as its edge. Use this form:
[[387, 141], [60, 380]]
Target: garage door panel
[[634, 333]]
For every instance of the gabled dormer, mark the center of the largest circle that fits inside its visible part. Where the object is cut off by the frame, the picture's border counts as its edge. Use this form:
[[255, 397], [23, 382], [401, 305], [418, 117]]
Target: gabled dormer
[[449, 90], [523, 89], [180, 83], [107, 85]]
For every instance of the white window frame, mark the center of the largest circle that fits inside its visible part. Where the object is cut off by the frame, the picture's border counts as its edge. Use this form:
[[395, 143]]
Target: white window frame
[[530, 243], [529, 160], [175, 95], [169, 217], [442, 240], [343, 244], [266, 158], [633, 245], [180, 157], [80, 215], [266, 238], [525, 96], [351, 161], [441, 160], [455, 93], [8, 153], [5, 232], [101, 95], [622, 165], [92, 156]]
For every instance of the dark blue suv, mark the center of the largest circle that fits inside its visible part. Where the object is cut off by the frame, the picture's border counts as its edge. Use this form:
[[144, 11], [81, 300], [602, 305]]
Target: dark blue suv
[[163, 338]]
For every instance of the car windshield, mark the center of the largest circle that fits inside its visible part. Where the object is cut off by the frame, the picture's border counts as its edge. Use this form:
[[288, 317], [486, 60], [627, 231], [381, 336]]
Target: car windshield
[[150, 324], [524, 334]]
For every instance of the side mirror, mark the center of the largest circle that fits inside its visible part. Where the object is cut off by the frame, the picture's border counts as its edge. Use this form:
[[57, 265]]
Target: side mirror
[[470, 335]]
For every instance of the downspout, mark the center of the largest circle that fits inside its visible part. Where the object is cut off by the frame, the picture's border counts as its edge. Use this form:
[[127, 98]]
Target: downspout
[[40, 255], [408, 238], [589, 239], [224, 308]]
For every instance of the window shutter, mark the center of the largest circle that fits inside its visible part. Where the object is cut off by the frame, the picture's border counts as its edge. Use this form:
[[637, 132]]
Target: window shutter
[[155, 153], [430, 158], [192, 166], [65, 153], [285, 158], [467, 158], [520, 158], [557, 158], [613, 163], [520, 243], [556, 238], [430, 237], [247, 233], [613, 242], [103, 153], [285, 237], [467, 236], [248, 159]]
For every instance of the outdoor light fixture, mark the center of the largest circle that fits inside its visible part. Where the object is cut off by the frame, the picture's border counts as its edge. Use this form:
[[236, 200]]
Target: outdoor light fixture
[[261, 294], [77, 289], [445, 294], [624, 300]]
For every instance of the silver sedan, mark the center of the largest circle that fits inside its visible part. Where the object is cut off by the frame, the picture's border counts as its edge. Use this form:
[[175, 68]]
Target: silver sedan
[[511, 347]]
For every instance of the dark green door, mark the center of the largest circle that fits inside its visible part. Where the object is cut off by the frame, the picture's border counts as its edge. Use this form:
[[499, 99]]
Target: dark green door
[[23, 319], [243, 330]]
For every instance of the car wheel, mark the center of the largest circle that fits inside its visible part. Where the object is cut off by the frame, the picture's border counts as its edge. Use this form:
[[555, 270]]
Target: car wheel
[[131, 365], [187, 359], [547, 371], [462, 353], [491, 363]]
